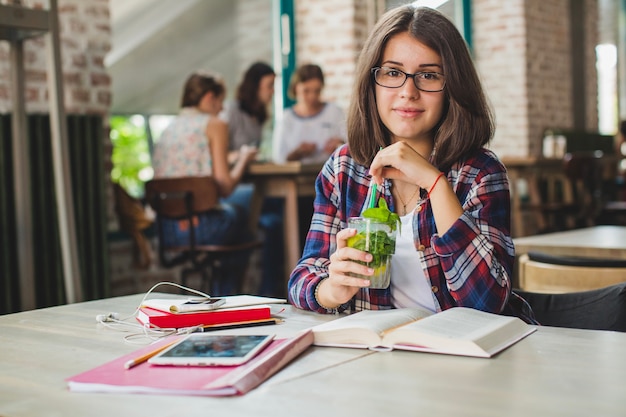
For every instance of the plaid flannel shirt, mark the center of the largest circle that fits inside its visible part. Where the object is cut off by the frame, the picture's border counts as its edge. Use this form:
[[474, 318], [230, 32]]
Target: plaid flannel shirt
[[470, 265]]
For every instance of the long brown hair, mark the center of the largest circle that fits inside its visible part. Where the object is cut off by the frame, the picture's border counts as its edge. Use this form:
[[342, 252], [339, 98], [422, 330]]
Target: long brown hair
[[467, 122], [198, 84], [248, 91]]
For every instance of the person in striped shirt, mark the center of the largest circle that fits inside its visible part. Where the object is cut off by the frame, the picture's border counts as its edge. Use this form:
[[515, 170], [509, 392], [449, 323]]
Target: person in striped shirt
[[418, 126]]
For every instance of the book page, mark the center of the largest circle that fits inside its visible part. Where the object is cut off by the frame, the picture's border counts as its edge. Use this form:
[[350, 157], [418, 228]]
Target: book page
[[365, 328], [461, 323], [462, 330]]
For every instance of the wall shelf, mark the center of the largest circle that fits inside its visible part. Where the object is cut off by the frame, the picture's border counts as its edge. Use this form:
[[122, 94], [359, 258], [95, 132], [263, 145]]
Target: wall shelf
[[18, 23]]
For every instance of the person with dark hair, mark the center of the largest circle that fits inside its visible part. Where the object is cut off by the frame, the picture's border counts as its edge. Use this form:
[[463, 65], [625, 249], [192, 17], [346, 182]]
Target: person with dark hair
[[196, 144], [245, 117], [247, 114], [418, 124], [311, 129]]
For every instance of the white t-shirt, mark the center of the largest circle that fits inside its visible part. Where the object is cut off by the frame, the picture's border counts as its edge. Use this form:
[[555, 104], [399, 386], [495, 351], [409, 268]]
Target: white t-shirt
[[293, 130], [409, 286]]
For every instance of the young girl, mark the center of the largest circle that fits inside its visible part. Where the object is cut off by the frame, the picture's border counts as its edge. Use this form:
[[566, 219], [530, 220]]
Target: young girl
[[196, 144], [248, 113], [417, 127], [246, 117], [311, 129]]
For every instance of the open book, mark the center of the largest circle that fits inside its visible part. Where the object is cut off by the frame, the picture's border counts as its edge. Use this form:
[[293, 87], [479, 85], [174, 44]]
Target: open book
[[456, 331]]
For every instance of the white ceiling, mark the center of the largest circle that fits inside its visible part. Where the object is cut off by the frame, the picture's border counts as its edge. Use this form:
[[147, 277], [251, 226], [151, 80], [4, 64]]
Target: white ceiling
[[156, 44]]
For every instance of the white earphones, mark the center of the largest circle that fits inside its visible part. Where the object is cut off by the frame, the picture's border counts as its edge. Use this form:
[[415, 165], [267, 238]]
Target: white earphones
[[103, 318], [116, 322]]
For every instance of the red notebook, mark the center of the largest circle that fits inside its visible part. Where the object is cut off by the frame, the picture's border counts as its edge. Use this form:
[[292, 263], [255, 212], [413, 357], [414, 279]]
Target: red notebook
[[152, 317], [112, 377]]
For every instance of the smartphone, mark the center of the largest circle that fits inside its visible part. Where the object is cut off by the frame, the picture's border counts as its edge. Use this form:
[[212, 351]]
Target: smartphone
[[200, 349], [199, 304]]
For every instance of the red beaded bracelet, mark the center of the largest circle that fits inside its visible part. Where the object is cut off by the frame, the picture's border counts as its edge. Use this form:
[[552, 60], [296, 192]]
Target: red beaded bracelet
[[435, 183]]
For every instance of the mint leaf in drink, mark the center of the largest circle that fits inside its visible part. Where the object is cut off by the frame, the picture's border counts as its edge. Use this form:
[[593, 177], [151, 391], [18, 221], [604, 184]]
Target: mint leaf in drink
[[382, 214]]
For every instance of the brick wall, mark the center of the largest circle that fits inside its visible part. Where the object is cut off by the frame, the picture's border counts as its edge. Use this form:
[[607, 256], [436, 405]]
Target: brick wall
[[549, 75], [592, 38], [523, 52], [499, 35], [330, 33], [85, 40]]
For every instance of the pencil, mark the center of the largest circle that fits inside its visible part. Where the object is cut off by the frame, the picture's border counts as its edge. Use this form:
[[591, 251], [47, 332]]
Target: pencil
[[240, 324], [134, 362]]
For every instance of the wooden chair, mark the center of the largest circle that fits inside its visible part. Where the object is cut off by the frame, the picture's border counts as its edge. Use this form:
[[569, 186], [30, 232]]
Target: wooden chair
[[585, 171], [599, 309], [182, 199], [570, 197], [544, 273], [552, 199]]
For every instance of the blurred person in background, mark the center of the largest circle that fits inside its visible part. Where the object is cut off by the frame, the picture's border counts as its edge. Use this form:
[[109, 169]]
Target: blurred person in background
[[196, 144], [248, 113], [311, 129], [246, 116]]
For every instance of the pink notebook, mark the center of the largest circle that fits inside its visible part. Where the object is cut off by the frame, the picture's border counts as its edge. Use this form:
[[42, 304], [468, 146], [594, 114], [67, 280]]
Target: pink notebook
[[216, 381]]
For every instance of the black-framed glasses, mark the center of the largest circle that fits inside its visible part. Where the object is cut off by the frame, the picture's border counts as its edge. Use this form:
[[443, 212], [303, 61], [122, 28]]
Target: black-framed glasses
[[431, 82]]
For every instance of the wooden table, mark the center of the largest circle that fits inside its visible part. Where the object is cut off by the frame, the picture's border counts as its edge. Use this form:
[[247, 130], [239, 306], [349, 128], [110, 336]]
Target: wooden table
[[594, 242], [289, 181], [553, 372]]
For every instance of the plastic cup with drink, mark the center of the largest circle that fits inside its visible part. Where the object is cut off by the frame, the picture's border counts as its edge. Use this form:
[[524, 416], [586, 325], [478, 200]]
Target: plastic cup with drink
[[376, 234]]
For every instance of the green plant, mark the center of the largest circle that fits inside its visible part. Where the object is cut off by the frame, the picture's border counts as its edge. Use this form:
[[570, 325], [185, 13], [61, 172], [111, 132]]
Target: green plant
[[131, 153]]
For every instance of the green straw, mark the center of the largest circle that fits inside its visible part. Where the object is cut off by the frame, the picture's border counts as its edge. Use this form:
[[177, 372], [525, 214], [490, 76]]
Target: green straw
[[373, 196], [374, 189]]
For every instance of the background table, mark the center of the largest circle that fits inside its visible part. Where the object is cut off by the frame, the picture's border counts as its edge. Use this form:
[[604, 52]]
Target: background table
[[553, 372], [595, 242], [289, 181]]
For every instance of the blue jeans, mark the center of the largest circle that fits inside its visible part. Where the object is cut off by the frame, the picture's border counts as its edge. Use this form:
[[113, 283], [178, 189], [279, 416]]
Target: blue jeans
[[223, 226], [271, 223]]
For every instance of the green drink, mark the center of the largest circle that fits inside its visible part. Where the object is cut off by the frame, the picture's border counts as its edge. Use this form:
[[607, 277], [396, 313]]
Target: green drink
[[376, 234]]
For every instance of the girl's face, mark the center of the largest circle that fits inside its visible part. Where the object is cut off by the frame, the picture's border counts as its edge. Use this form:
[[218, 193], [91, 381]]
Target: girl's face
[[409, 114], [266, 88], [309, 92]]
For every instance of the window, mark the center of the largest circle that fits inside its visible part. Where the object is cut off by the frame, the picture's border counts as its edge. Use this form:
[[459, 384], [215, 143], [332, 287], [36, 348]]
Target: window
[[133, 138]]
